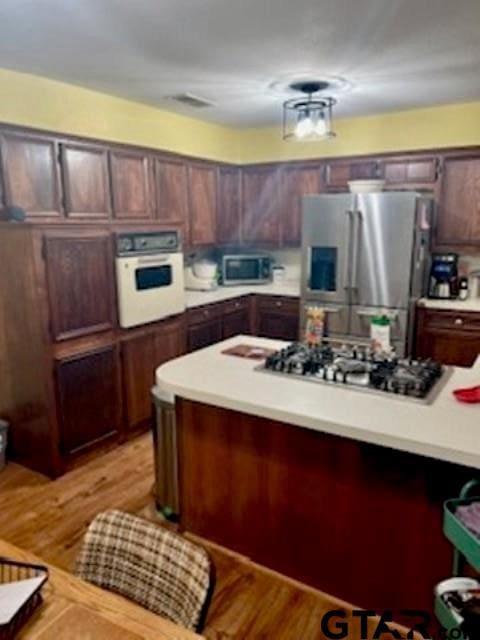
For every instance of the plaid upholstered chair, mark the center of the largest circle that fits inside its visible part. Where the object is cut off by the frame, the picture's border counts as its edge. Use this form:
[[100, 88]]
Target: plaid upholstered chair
[[155, 568]]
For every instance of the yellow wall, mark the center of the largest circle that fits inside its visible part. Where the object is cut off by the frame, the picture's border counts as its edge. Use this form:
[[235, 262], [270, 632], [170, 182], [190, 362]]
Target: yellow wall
[[444, 126], [45, 104]]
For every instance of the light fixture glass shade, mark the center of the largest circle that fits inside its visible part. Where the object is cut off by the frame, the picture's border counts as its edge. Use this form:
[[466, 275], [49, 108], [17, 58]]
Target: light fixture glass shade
[[308, 118]]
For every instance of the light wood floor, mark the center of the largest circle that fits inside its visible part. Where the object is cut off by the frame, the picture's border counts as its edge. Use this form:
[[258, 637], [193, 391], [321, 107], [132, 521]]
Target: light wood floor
[[49, 518]]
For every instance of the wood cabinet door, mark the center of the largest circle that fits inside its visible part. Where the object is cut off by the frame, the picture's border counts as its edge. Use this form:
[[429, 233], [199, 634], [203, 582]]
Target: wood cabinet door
[[236, 323], [298, 181], [277, 317], [88, 399], [138, 366], [80, 281], [171, 191], [278, 326], [204, 334], [141, 355], [170, 340], [448, 336], [30, 174], [86, 181], [459, 348], [459, 211], [338, 174], [228, 206], [131, 185], [202, 190], [262, 205], [409, 171]]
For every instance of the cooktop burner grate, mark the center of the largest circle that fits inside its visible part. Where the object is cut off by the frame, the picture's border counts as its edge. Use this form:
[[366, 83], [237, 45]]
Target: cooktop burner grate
[[356, 366]]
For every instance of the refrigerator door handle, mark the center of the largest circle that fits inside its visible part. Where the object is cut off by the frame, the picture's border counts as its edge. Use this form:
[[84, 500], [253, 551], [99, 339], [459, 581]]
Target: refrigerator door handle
[[346, 261], [332, 309], [357, 221], [309, 268], [324, 307], [371, 313]]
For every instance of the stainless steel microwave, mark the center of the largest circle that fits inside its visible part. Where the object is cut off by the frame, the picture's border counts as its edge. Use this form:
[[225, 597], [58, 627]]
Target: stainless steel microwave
[[246, 269]]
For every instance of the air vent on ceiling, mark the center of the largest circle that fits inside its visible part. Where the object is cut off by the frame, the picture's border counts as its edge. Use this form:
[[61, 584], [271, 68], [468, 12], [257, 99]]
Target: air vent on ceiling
[[191, 101]]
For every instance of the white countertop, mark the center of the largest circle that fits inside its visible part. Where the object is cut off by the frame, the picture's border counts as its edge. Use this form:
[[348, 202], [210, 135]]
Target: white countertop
[[198, 298], [446, 429], [472, 304]]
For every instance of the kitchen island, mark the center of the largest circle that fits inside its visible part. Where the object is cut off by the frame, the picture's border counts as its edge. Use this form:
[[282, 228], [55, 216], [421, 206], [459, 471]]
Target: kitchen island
[[338, 488]]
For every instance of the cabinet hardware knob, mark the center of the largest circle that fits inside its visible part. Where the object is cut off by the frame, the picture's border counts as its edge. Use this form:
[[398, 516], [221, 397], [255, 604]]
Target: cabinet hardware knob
[[279, 304], [458, 321]]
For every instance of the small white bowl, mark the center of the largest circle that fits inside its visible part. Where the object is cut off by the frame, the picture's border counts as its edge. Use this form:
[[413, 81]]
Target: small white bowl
[[366, 186]]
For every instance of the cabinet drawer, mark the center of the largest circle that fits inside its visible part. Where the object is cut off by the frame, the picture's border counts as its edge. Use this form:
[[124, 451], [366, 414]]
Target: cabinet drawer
[[279, 304], [202, 314], [236, 305], [454, 320]]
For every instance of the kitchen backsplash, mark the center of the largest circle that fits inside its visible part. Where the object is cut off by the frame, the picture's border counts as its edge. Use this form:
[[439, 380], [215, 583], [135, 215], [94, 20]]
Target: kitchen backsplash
[[291, 260], [467, 264]]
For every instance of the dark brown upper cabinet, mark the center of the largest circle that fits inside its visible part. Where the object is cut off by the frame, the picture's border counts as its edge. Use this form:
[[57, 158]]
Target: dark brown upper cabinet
[[298, 181], [228, 206], [80, 282], [202, 190], [131, 185], [86, 181], [339, 173], [406, 171], [459, 210], [262, 205], [30, 173], [171, 191]]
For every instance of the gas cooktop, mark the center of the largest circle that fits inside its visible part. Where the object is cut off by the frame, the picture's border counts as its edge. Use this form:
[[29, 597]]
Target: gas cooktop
[[356, 366]]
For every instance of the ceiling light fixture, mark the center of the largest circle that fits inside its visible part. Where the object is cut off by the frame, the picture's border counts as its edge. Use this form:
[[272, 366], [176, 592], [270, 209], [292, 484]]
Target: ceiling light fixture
[[308, 117]]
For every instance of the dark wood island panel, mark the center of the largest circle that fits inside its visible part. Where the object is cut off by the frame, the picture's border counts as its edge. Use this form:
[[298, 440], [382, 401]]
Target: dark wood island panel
[[358, 521]]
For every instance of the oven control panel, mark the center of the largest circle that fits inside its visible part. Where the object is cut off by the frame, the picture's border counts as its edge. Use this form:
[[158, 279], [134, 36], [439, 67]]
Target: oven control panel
[[146, 243]]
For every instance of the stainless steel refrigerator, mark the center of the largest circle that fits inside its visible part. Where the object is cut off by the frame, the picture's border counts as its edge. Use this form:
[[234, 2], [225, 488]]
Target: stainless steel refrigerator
[[363, 254]]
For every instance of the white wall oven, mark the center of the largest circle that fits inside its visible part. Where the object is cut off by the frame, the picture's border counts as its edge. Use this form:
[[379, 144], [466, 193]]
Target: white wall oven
[[149, 268]]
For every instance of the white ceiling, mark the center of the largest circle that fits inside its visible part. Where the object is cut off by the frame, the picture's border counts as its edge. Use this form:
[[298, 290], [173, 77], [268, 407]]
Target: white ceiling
[[396, 54]]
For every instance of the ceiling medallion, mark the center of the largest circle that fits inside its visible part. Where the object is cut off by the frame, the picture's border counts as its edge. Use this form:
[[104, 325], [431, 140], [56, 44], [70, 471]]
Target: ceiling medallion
[[309, 116]]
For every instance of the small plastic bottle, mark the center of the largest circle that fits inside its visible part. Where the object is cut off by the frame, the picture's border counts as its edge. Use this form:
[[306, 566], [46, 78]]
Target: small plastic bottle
[[380, 334], [463, 291]]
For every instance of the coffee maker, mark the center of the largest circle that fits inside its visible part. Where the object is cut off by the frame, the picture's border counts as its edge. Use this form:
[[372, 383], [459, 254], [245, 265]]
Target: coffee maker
[[443, 283]]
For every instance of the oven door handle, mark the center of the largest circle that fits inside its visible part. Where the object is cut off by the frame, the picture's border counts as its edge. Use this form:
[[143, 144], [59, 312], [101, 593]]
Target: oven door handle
[[153, 261]]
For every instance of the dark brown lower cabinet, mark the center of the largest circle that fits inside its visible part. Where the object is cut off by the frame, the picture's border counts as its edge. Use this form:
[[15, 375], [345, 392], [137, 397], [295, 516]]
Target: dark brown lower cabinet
[[204, 334], [142, 352], [89, 400], [237, 317], [205, 326], [308, 504], [236, 323], [449, 337], [277, 317]]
